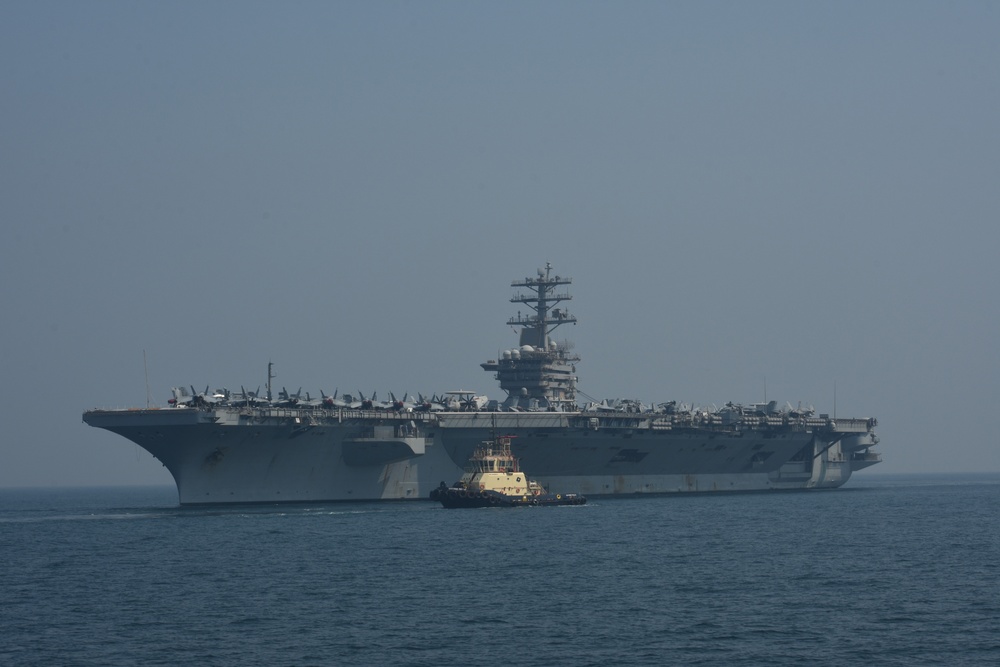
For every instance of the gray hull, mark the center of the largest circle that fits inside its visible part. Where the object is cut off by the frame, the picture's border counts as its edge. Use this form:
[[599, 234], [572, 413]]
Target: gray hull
[[230, 455]]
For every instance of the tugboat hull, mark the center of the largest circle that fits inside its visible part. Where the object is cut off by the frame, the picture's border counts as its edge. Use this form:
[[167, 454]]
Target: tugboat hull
[[455, 498]]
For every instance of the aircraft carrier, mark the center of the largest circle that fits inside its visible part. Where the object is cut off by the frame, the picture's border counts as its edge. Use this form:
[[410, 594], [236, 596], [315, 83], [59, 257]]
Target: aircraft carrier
[[228, 447]]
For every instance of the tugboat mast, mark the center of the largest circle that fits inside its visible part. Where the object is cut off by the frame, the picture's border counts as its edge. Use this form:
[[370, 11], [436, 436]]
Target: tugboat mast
[[539, 374]]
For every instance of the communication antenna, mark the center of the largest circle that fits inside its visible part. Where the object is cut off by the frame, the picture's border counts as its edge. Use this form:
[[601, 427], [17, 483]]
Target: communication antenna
[[145, 368], [835, 399], [270, 376]]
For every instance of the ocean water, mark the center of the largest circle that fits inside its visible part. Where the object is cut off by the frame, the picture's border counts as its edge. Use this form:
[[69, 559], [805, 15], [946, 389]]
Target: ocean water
[[887, 571]]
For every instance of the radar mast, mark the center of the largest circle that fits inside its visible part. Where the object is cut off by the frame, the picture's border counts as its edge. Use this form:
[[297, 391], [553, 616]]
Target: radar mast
[[539, 374]]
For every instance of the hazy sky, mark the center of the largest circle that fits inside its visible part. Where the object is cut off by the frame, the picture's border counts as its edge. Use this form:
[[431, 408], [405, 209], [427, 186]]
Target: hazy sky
[[798, 194]]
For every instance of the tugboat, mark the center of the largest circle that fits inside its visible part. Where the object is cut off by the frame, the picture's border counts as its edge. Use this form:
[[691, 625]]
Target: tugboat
[[494, 478]]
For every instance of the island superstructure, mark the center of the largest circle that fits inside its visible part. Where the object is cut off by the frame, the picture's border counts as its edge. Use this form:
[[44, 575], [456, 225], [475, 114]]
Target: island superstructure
[[224, 447], [540, 373]]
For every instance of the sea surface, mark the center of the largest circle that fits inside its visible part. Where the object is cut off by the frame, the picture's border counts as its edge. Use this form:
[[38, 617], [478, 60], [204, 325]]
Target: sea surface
[[886, 571]]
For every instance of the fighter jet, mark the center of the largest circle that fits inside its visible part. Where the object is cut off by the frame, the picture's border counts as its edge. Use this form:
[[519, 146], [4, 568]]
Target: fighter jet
[[333, 401], [404, 405], [286, 400]]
